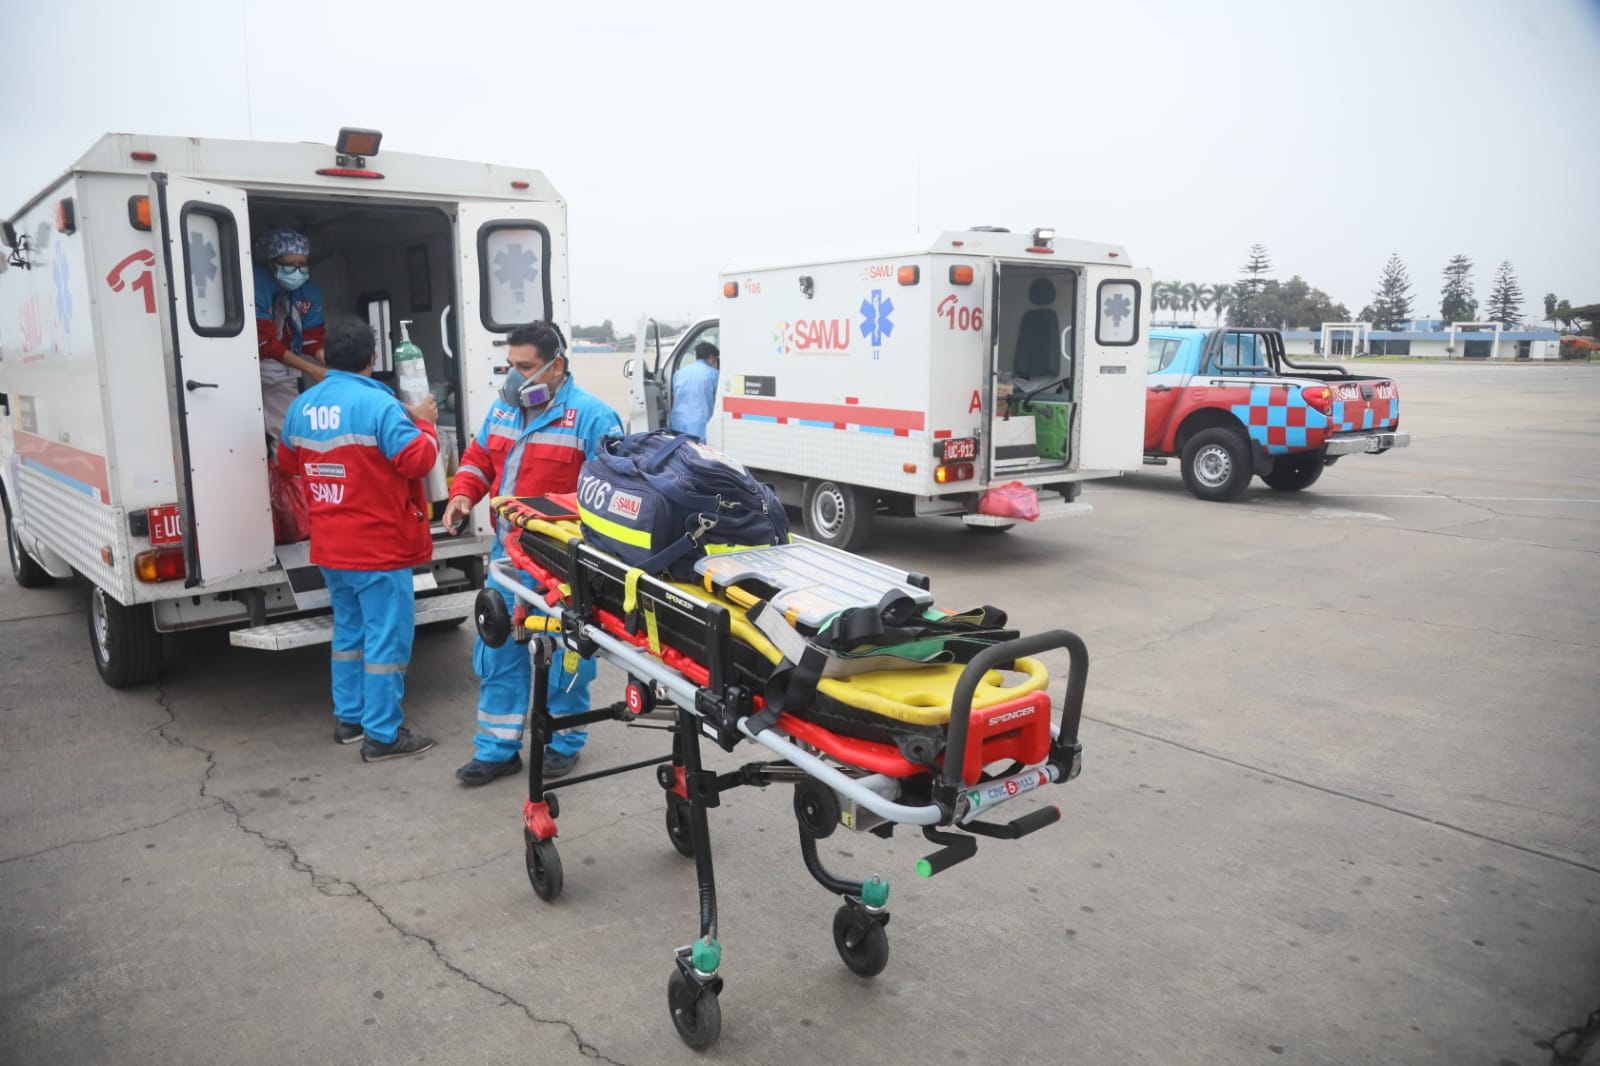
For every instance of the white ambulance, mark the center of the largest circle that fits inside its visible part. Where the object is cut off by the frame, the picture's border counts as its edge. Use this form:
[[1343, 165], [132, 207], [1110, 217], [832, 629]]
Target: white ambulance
[[132, 443], [912, 378]]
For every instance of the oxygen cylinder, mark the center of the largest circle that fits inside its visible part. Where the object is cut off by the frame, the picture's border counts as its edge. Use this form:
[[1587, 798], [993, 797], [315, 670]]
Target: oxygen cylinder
[[411, 380]]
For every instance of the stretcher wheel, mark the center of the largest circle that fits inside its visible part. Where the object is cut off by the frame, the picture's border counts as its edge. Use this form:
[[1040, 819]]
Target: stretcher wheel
[[680, 830], [817, 808], [695, 1012], [862, 941], [491, 617], [544, 867]]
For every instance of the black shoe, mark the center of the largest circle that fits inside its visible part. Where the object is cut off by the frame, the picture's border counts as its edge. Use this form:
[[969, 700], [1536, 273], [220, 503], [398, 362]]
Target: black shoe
[[559, 765], [477, 772], [405, 743], [348, 732]]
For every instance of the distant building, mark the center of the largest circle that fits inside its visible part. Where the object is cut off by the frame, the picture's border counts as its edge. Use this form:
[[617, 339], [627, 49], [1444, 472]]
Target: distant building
[[1424, 339]]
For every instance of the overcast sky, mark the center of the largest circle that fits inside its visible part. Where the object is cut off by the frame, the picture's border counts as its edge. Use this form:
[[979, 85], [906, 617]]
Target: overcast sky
[[684, 136]]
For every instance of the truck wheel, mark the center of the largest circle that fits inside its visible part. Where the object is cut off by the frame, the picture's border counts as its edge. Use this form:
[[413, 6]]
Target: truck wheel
[[26, 572], [126, 646], [1293, 473], [1216, 464], [839, 515]]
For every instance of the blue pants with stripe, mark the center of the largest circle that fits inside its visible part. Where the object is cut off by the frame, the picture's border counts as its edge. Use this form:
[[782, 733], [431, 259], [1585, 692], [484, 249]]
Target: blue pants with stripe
[[505, 691], [374, 620]]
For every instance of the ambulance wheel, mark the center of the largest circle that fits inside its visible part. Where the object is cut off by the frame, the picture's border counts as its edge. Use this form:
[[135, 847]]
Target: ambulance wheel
[[126, 646], [680, 830], [491, 617], [544, 866], [839, 515], [1293, 474], [1216, 464], [863, 943], [26, 572], [696, 1014]]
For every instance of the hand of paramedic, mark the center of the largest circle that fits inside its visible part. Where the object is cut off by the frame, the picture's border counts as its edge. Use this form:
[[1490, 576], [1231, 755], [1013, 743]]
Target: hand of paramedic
[[456, 512], [424, 410]]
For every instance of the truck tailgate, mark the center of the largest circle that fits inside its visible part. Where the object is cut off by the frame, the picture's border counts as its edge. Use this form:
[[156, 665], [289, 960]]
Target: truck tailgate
[[1364, 403]]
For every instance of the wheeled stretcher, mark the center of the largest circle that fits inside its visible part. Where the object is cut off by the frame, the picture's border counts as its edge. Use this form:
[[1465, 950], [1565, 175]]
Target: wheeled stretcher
[[868, 741]]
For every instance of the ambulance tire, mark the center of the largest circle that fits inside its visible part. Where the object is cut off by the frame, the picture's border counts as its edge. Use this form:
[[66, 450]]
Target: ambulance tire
[[123, 640], [839, 515], [26, 572], [1216, 464]]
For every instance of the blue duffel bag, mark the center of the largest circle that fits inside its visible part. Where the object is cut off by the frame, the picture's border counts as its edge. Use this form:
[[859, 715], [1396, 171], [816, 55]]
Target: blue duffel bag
[[662, 500]]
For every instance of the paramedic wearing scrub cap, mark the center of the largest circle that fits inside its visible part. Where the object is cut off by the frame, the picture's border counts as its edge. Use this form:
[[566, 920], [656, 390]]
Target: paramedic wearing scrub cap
[[361, 453], [288, 321], [534, 440], [694, 390]]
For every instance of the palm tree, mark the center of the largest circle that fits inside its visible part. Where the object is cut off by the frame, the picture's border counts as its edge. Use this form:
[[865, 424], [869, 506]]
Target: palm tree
[[1191, 298], [1158, 295], [1221, 298]]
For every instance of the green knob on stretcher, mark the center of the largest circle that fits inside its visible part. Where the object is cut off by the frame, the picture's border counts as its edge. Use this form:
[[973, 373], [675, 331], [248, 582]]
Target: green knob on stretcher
[[875, 891], [706, 955], [924, 868]]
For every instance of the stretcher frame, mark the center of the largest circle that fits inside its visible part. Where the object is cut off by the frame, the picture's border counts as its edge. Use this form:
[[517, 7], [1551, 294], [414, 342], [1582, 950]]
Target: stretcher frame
[[837, 780]]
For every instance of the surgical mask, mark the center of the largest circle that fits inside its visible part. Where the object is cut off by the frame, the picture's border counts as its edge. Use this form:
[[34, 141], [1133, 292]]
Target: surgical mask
[[292, 278]]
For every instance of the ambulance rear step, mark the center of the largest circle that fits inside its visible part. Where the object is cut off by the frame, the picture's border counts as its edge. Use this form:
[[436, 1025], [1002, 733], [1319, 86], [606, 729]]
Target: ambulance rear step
[[1051, 505], [303, 632]]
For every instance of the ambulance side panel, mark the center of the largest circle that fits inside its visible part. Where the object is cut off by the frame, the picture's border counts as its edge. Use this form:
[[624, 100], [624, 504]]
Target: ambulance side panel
[[832, 385], [60, 479]]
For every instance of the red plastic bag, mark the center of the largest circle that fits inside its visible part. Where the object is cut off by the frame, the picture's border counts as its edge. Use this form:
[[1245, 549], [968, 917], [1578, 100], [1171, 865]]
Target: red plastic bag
[[291, 515], [1011, 500]]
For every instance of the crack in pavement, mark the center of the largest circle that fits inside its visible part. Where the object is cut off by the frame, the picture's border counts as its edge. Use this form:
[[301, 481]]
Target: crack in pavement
[[108, 836], [1585, 1038], [1329, 790], [337, 887]]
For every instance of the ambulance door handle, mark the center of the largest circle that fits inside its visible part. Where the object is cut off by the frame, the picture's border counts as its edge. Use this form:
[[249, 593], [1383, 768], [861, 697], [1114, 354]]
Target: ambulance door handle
[[191, 385]]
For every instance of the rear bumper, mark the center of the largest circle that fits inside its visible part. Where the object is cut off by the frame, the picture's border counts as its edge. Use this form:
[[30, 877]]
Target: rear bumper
[[1353, 443]]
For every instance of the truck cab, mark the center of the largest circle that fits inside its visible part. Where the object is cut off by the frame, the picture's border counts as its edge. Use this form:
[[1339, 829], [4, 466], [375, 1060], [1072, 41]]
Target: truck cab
[[1230, 405]]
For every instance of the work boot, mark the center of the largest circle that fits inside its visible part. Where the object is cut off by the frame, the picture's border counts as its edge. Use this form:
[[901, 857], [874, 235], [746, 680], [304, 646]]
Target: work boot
[[348, 732], [559, 765], [405, 743], [478, 772]]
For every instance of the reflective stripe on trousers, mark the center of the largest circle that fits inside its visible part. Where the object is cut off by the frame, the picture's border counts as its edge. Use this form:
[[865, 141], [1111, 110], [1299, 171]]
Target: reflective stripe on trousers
[[374, 620], [505, 692]]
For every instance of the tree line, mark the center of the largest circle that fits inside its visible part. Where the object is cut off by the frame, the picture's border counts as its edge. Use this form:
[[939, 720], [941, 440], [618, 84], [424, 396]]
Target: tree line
[[1258, 300]]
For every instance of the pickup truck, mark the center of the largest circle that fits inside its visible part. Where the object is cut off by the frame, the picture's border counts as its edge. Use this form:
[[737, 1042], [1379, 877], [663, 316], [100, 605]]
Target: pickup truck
[[1230, 405]]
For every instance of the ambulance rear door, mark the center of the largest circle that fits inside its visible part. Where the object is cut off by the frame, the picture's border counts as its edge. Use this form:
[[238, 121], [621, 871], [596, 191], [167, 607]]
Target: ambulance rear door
[[207, 310], [1111, 378], [513, 270]]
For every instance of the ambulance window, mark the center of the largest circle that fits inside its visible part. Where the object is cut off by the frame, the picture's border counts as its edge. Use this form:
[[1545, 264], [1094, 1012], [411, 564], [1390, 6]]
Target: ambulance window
[[512, 256], [211, 271], [1117, 318]]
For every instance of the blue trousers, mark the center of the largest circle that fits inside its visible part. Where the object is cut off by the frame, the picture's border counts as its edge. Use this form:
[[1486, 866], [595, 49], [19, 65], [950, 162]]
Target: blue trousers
[[374, 620], [505, 676]]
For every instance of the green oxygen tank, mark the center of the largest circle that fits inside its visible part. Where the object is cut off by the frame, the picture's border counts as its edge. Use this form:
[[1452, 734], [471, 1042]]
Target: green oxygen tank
[[411, 381]]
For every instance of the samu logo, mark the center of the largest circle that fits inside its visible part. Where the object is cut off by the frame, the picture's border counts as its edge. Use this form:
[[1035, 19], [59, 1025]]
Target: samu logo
[[593, 492], [332, 495]]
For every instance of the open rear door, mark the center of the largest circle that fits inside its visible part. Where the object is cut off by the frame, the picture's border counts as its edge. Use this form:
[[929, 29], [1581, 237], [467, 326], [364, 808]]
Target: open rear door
[[208, 326], [513, 260], [1112, 378]]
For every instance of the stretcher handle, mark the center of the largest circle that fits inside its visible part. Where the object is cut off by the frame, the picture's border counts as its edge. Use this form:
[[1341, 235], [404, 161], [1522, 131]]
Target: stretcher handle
[[998, 655]]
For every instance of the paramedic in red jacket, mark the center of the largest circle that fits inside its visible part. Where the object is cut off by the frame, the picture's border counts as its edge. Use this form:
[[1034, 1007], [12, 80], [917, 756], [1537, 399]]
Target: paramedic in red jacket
[[361, 454], [534, 441]]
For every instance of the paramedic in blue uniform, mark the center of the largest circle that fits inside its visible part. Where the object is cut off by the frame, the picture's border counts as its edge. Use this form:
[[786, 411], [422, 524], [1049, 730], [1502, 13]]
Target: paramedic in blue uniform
[[361, 455], [534, 440], [694, 390], [289, 327]]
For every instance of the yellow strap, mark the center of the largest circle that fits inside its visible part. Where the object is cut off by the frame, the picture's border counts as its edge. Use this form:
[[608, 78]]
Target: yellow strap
[[630, 590], [650, 631]]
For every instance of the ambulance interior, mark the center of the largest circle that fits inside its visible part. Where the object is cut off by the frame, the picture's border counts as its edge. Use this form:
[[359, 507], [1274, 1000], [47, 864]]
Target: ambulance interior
[[1035, 315], [384, 264]]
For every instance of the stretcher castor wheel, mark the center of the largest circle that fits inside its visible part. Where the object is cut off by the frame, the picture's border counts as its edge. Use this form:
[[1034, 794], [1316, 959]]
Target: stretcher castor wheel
[[489, 614], [544, 866], [695, 1011], [862, 941], [679, 829], [816, 807]]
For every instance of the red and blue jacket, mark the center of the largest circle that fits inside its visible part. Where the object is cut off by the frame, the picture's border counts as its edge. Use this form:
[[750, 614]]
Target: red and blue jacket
[[518, 454], [360, 458]]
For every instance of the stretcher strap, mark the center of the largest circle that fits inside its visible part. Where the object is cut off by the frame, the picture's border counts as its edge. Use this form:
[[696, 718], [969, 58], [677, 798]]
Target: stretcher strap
[[793, 645]]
